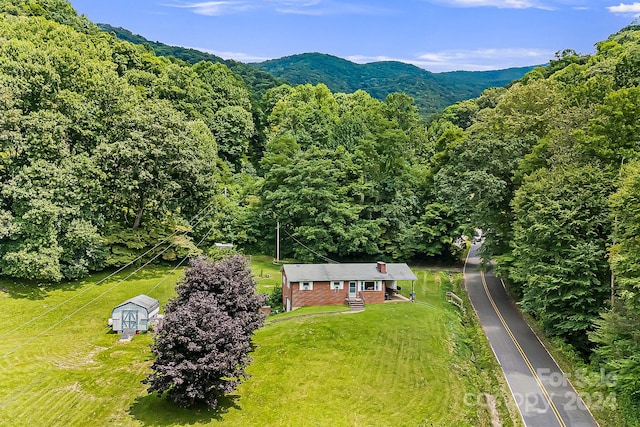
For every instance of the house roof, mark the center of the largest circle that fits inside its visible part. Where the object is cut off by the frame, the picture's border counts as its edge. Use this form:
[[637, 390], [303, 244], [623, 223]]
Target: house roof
[[359, 271], [143, 301]]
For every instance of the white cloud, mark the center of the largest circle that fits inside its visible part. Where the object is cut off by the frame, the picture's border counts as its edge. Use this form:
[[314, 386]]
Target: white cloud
[[363, 59], [319, 8], [626, 9], [449, 60], [238, 56], [215, 8], [500, 4], [506, 4], [470, 60], [448, 55], [293, 7]]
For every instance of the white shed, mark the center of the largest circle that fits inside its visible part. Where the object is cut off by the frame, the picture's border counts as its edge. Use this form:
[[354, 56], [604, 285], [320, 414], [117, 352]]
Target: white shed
[[134, 314]]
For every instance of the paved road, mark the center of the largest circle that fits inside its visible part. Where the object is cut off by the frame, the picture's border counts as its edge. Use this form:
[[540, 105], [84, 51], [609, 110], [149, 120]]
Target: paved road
[[542, 392]]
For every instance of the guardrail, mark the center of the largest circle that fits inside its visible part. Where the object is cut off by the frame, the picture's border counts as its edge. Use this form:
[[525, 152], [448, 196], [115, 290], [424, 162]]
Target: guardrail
[[455, 300]]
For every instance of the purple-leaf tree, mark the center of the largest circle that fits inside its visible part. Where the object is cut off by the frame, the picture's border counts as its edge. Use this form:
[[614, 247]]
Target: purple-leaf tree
[[203, 347]]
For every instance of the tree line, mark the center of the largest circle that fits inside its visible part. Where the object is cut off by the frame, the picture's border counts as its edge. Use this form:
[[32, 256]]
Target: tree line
[[106, 149], [548, 169]]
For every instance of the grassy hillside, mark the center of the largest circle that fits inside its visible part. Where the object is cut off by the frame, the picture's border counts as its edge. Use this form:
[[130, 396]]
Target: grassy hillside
[[432, 91], [393, 364]]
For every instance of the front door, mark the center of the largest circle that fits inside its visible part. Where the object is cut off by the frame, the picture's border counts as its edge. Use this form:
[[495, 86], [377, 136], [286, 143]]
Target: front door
[[352, 289]]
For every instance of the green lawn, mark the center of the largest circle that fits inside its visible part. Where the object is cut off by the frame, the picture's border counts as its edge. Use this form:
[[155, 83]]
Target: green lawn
[[308, 311], [266, 272], [400, 364]]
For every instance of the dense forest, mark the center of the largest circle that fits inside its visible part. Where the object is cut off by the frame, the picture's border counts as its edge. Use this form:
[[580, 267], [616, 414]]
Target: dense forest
[[107, 149]]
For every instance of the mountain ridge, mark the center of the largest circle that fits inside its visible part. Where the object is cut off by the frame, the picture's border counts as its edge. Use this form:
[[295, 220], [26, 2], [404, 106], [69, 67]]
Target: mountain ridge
[[432, 92], [256, 79]]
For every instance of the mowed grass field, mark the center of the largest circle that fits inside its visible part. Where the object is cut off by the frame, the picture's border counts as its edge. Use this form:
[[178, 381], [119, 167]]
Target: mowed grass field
[[395, 364]]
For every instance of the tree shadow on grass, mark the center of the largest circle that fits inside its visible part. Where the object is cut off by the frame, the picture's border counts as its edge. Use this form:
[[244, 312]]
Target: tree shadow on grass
[[37, 290], [153, 410], [32, 290]]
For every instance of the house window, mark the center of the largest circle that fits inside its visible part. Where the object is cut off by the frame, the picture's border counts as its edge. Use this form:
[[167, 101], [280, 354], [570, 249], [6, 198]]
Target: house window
[[306, 286], [370, 285], [336, 285]]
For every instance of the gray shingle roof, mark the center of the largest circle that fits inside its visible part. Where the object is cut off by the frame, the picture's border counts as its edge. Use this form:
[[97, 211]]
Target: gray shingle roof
[[143, 301], [359, 271]]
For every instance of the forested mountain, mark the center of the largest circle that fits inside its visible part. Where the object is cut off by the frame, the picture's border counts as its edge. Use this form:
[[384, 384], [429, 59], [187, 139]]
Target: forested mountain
[[109, 153], [257, 80], [432, 92]]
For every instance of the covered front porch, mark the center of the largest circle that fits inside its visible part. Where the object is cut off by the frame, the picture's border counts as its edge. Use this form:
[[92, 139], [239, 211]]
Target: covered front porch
[[363, 292]]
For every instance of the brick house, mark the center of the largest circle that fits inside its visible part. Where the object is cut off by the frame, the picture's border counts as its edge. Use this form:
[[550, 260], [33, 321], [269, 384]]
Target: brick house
[[336, 284]]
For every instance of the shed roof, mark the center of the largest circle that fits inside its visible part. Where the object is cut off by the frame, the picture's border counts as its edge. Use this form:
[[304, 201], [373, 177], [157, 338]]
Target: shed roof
[[143, 301], [356, 271]]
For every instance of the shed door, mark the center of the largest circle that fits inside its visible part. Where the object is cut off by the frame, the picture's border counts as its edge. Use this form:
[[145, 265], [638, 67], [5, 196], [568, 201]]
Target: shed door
[[129, 319]]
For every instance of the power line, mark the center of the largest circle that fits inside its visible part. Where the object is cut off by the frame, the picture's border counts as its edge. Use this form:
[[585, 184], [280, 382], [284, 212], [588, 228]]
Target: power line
[[104, 279], [85, 305], [40, 379], [181, 262], [79, 293], [324, 258]]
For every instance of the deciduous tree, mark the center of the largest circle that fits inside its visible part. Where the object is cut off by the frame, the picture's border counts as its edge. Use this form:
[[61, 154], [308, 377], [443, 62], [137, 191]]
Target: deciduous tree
[[203, 347], [560, 239]]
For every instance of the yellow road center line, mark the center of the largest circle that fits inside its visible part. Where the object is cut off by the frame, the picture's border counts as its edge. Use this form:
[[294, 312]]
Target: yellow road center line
[[524, 356]]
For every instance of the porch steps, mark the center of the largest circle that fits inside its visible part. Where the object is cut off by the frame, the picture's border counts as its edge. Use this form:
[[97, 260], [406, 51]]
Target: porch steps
[[356, 304]]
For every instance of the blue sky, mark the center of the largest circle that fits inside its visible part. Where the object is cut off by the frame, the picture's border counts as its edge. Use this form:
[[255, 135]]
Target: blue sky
[[438, 35]]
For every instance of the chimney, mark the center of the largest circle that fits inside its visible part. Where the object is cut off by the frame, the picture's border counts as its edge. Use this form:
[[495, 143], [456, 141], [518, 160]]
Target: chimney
[[382, 267]]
